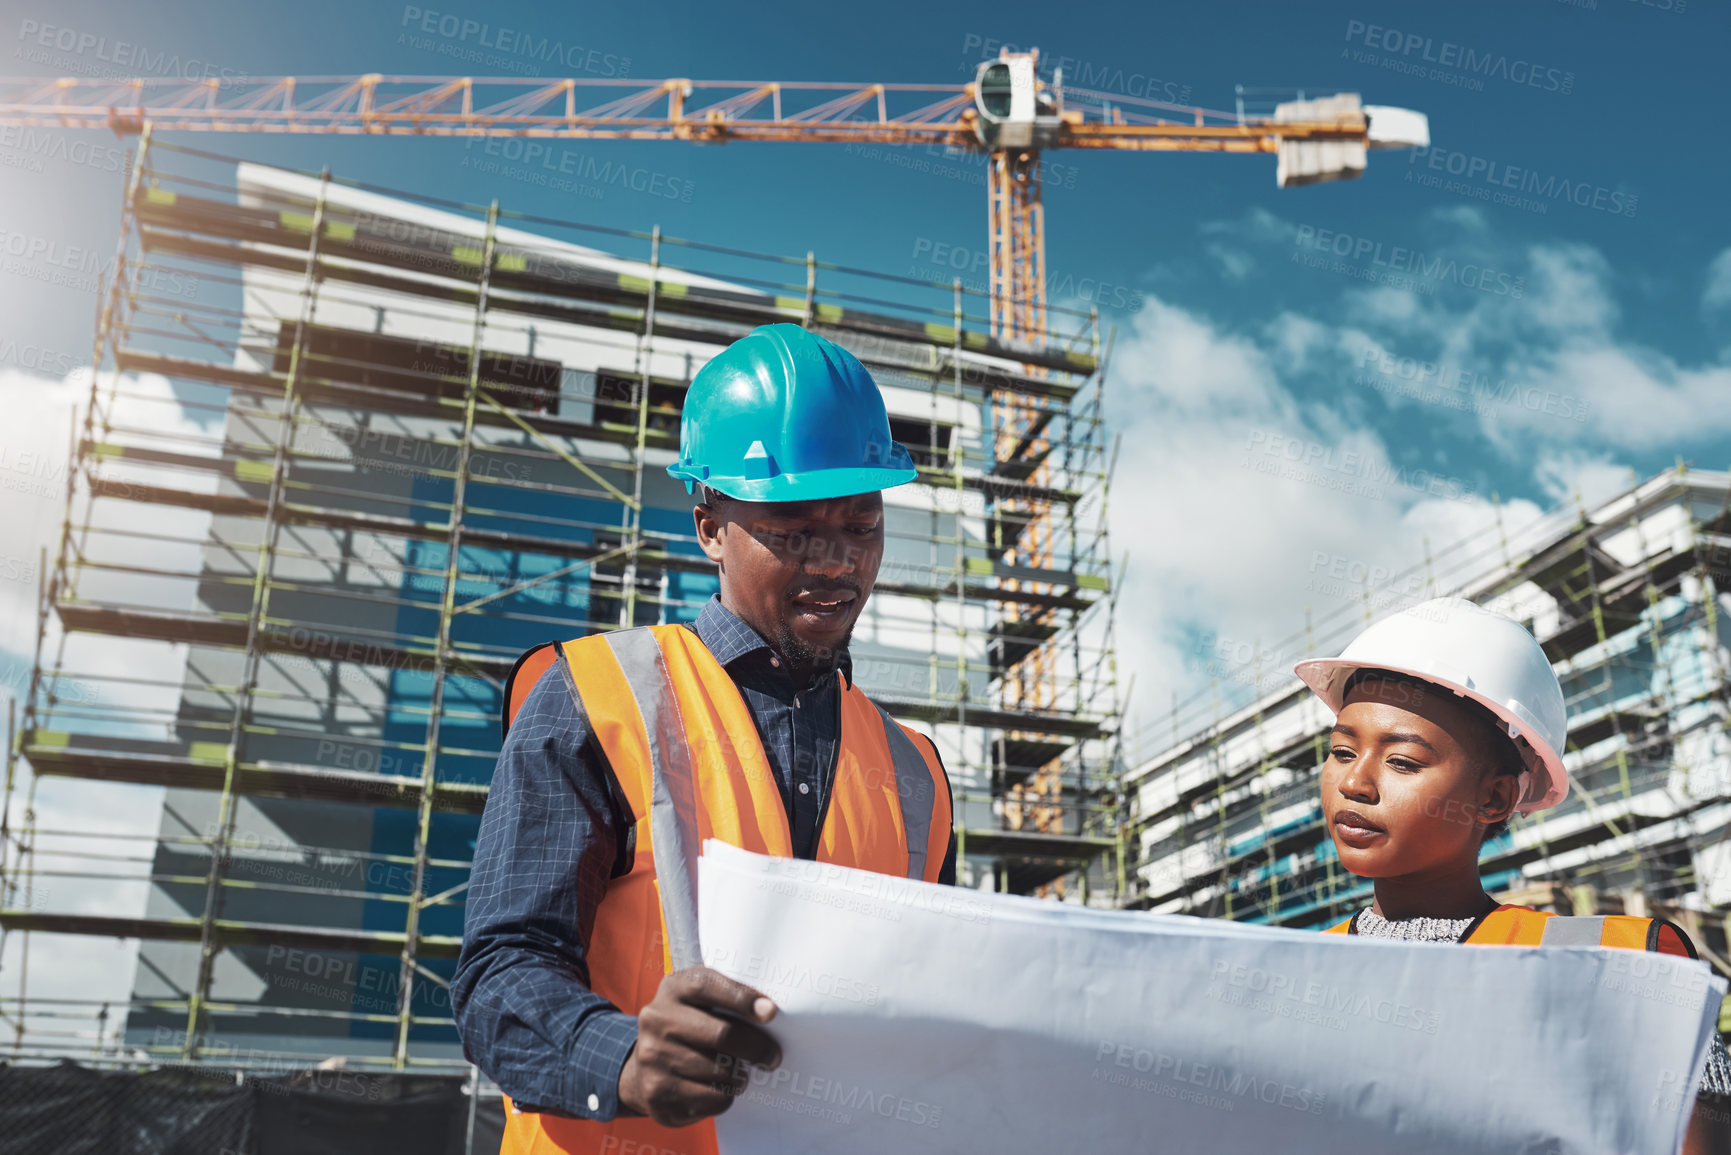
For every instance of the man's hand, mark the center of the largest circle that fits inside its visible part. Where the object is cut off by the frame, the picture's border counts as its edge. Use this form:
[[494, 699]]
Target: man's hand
[[694, 1040]]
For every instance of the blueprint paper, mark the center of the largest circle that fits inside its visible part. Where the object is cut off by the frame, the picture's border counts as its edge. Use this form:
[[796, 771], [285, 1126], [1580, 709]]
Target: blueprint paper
[[921, 1018]]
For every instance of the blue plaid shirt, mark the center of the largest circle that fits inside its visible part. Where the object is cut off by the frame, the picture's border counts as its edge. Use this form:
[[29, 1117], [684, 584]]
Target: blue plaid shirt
[[553, 836]]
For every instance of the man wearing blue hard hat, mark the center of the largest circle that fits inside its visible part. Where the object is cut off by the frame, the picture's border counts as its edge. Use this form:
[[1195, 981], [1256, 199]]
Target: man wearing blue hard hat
[[580, 989]]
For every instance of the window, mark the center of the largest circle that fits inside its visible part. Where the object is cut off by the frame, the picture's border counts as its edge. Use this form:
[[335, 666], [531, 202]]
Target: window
[[927, 441]]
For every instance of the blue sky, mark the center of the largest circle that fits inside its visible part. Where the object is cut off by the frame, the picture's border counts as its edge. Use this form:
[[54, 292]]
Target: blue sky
[[1247, 322]]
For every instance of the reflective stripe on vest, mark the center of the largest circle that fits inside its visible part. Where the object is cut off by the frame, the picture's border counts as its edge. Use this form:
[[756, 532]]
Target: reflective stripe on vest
[[1573, 931], [673, 801], [686, 754]]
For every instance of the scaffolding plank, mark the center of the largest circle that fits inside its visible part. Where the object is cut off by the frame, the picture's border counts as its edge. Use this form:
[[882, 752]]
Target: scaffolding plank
[[387, 525], [438, 252], [156, 625], [229, 933], [992, 718], [1071, 848], [260, 779], [372, 398]]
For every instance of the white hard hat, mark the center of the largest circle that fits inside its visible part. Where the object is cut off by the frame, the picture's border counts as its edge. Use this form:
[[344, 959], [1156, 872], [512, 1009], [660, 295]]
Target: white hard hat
[[1478, 654]]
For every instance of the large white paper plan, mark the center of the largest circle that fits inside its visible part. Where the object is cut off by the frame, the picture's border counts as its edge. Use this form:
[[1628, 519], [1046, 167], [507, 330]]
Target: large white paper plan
[[917, 1018]]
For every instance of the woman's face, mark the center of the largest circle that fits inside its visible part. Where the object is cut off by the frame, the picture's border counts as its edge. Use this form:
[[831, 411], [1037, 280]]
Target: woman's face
[[1406, 789]]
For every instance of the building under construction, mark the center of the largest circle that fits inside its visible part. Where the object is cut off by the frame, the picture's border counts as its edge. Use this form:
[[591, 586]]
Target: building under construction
[[1629, 601], [405, 440]]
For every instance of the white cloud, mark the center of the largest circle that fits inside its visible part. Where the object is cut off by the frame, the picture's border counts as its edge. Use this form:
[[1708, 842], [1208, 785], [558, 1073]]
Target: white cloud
[[42, 416], [1716, 297], [1221, 549], [1240, 510], [1570, 478], [1258, 226], [1543, 339], [133, 686], [1637, 398], [1235, 263], [1228, 242], [34, 450]]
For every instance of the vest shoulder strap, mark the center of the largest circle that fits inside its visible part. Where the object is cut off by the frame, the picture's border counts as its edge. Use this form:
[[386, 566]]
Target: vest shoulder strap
[[527, 671], [1523, 926], [522, 678], [919, 779], [1619, 931]]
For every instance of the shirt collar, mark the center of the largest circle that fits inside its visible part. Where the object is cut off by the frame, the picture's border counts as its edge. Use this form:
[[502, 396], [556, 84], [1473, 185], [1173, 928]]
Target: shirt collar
[[728, 637]]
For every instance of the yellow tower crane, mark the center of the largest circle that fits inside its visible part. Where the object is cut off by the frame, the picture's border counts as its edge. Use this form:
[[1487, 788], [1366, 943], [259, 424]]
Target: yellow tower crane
[[1009, 112]]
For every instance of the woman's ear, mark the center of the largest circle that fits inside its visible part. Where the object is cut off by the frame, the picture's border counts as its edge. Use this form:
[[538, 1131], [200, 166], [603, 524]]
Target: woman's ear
[[1497, 798]]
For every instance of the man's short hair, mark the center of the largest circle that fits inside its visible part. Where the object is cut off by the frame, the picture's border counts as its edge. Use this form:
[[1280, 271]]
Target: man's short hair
[[713, 498]]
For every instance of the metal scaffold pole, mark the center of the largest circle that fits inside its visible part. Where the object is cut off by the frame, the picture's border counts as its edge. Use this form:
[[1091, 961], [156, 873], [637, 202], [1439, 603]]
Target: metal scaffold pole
[[441, 650], [633, 511], [263, 566]]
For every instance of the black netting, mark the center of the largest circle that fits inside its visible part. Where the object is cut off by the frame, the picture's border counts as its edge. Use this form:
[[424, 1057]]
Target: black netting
[[71, 1110]]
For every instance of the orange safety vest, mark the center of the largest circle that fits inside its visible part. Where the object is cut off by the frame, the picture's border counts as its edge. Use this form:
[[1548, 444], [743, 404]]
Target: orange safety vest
[[686, 753], [1524, 926]]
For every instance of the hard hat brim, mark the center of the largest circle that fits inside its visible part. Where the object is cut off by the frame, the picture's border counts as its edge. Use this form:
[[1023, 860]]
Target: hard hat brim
[[812, 485], [1327, 678]]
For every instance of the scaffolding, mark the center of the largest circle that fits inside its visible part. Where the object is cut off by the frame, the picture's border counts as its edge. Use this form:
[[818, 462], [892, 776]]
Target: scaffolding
[[1629, 601], [406, 439]]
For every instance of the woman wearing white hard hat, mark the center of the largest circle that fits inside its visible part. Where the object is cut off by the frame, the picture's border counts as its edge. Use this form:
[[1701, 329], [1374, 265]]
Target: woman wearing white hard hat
[[1448, 721]]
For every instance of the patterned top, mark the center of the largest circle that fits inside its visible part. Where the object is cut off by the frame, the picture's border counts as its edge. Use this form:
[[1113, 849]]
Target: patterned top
[[1412, 929], [1715, 1080]]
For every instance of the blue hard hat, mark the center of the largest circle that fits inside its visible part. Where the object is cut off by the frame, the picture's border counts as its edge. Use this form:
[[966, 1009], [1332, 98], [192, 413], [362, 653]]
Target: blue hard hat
[[785, 415]]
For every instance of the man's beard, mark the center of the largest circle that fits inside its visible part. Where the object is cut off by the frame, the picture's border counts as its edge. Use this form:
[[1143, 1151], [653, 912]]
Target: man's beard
[[806, 661]]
